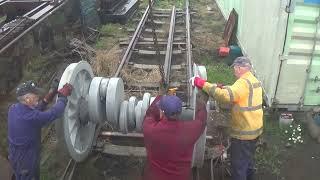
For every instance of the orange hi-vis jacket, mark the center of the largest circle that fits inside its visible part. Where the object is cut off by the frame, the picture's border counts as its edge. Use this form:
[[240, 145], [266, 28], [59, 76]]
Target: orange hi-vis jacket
[[245, 97]]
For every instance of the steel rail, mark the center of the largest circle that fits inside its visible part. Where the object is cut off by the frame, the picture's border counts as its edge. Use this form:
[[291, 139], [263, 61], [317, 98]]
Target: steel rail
[[69, 170], [134, 40], [35, 24], [189, 53], [167, 61]]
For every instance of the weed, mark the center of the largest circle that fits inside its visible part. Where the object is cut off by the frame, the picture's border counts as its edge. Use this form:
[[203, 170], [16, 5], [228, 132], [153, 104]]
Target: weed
[[269, 159]]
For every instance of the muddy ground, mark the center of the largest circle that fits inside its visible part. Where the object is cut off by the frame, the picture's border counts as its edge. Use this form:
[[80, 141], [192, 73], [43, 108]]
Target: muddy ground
[[295, 163]]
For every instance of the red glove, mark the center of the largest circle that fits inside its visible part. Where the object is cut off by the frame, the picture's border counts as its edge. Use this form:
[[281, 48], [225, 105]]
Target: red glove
[[198, 82], [52, 92], [65, 90]]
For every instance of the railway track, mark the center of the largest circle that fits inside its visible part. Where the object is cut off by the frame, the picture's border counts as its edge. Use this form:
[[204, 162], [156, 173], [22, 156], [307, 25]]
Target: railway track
[[161, 42]]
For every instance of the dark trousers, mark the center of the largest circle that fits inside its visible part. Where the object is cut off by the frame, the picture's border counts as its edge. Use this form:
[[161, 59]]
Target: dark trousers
[[242, 159]]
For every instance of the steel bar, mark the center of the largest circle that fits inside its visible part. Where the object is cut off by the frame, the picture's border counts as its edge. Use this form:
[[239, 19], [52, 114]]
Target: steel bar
[[129, 135], [35, 10], [31, 27], [167, 61], [189, 53], [134, 40]]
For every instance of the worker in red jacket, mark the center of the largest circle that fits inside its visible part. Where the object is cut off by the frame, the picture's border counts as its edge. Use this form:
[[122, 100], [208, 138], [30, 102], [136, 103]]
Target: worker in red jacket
[[169, 141]]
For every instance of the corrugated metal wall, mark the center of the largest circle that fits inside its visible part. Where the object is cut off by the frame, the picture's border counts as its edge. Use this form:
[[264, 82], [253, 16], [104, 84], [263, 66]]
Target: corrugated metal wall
[[298, 82], [261, 32]]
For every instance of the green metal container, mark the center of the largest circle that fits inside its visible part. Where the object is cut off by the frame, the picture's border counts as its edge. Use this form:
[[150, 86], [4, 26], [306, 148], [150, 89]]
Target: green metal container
[[282, 41]]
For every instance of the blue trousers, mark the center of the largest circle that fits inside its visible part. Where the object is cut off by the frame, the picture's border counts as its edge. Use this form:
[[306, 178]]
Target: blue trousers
[[25, 163], [242, 159]]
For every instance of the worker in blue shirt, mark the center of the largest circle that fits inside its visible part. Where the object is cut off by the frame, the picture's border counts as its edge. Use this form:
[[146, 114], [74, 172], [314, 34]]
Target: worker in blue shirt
[[25, 120]]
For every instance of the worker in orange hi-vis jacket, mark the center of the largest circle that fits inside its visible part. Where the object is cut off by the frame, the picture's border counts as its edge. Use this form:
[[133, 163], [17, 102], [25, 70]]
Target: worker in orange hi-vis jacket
[[245, 98]]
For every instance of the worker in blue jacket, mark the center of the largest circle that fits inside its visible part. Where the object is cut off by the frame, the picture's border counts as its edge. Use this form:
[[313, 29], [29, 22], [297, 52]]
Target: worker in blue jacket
[[25, 120]]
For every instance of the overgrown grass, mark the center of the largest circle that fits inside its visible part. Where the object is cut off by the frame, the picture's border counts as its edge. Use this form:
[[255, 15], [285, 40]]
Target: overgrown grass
[[164, 3], [170, 3], [110, 34], [271, 155], [268, 155], [218, 72]]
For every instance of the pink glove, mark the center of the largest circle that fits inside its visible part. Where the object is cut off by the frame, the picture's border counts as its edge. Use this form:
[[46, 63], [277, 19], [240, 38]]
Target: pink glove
[[197, 81]]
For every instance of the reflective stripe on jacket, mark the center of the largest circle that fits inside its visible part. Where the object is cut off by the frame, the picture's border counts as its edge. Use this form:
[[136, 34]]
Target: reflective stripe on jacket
[[245, 97]]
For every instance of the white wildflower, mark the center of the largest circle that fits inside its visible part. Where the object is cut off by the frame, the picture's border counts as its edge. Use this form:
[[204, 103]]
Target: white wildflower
[[286, 131], [289, 139], [299, 129], [291, 126], [301, 141]]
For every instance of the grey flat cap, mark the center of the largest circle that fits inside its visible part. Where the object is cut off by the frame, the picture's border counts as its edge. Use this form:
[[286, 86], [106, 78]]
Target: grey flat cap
[[242, 61]]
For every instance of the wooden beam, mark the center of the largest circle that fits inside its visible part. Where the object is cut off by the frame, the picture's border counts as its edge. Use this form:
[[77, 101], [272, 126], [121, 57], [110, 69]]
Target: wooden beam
[[124, 150]]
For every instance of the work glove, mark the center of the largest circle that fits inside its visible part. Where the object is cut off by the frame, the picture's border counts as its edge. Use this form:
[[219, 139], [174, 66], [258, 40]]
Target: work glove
[[52, 91], [65, 91], [197, 81]]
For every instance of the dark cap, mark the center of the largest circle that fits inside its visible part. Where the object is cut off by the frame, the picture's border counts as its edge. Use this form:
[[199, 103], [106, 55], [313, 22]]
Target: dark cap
[[28, 87], [171, 105], [242, 61]]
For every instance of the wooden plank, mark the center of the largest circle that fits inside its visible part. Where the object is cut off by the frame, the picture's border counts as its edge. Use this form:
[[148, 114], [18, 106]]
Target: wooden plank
[[151, 39], [122, 43], [148, 52], [149, 66], [124, 150], [158, 31]]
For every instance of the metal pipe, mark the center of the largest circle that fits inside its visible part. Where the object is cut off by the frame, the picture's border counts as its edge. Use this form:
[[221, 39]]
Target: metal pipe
[[167, 61], [189, 53], [134, 40], [31, 27]]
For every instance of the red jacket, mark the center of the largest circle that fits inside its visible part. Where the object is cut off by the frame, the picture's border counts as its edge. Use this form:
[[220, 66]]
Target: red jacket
[[169, 144]]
